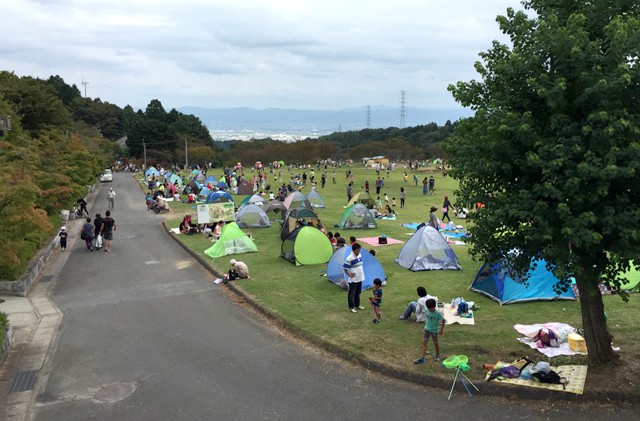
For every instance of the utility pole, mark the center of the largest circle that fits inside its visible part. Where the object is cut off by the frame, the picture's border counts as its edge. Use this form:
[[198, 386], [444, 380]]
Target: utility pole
[[368, 116], [144, 147], [403, 109], [85, 83]]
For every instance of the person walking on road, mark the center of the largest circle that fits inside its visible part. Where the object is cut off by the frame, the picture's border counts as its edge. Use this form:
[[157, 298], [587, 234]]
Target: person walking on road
[[87, 234], [108, 226], [111, 196]]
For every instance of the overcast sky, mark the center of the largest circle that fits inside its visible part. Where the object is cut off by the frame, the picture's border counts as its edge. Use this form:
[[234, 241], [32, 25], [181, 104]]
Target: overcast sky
[[320, 54]]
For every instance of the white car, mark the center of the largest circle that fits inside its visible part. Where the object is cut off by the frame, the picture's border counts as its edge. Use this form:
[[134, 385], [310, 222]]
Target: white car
[[107, 175]]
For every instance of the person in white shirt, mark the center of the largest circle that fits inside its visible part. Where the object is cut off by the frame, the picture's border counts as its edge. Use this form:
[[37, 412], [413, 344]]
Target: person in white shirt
[[111, 196], [354, 269], [418, 307]]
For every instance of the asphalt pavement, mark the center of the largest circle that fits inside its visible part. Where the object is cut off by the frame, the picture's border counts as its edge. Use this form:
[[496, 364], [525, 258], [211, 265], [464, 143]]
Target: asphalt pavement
[[146, 335]]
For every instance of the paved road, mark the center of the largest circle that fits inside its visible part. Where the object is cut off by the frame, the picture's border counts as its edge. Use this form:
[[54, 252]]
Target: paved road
[[146, 335]]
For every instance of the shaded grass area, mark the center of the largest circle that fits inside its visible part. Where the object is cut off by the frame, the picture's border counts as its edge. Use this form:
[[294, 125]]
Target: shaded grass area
[[306, 299]]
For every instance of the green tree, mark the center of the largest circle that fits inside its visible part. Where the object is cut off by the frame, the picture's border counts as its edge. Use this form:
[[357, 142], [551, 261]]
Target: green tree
[[553, 150]]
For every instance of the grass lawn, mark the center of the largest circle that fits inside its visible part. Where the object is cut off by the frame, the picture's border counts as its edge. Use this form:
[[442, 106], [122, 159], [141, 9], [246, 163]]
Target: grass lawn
[[308, 300]]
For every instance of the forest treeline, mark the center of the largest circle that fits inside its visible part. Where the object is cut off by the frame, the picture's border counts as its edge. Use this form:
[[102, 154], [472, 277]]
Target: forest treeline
[[54, 143]]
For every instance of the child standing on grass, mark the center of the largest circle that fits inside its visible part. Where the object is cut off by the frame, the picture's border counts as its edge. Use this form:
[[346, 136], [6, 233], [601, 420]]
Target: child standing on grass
[[376, 299], [432, 328]]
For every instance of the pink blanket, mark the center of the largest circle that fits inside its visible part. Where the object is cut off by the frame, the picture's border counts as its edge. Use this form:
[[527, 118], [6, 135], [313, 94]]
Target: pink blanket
[[562, 329], [373, 241]]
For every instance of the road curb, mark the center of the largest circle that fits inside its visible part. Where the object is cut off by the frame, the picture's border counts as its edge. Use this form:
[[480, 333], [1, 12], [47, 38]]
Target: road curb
[[504, 390]]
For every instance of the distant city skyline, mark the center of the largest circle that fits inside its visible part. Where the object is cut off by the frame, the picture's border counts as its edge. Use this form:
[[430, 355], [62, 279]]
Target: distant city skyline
[[298, 54]]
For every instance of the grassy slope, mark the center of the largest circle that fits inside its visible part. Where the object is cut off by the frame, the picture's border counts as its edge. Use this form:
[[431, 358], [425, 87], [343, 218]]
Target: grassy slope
[[304, 297]]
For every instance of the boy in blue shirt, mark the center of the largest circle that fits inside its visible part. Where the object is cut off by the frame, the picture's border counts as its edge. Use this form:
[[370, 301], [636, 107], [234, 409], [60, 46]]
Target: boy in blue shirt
[[432, 328], [376, 299]]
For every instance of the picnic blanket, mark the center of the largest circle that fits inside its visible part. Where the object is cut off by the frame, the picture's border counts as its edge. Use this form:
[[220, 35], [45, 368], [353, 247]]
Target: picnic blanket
[[388, 218], [450, 317], [175, 230], [373, 241], [577, 375], [411, 225], [562, 329]]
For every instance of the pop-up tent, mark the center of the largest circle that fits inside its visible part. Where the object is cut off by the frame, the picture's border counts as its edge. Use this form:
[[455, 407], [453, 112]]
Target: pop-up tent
[[500, 282], [232, 241], [275, 210], [357, 216], [174, 178], [296, 200], [427, 250], [306, 246], [204, 193], [315, 199], [630, 279], [151, 171], [222, 185], [372, 268], [194, 186], [211, 180], [244, 187], [220, 197], [295, 217], [364, 198], [254, 199], [252, 216]]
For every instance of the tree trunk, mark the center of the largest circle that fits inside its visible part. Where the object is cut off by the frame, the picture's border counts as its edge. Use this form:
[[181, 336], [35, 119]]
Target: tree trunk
[[594, 324]]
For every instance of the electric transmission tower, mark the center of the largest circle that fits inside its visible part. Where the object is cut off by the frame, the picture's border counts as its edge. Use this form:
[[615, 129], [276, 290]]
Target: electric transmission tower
[[85, 83], [368, 116], [403, 108]]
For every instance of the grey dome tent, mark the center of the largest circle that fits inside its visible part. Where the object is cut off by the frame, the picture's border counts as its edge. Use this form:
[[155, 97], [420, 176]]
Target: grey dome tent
[[275, 210], [296, 200], [252, 216], [315, 199], [427, 250]]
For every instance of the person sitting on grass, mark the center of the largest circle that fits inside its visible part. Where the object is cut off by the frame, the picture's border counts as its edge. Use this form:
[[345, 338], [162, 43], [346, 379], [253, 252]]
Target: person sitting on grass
[[432, 328], [239, 270], [418, 307]]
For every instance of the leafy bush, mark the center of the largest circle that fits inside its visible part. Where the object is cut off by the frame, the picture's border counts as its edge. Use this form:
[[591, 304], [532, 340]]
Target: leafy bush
[[4, 322]]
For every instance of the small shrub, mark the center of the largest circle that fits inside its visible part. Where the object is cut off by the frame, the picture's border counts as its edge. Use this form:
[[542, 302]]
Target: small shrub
[[4, 322]]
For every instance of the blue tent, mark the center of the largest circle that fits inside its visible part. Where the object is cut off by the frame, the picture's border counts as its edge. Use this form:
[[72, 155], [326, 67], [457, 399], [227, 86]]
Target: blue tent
[[222, 185], [499, 282], [220, 197], [212, 180], [205, 192], [372, 268], [151, 171], [174, 178]]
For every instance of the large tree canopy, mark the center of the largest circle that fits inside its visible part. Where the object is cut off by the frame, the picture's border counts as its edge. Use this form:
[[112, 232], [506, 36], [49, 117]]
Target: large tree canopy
[[553, 151]]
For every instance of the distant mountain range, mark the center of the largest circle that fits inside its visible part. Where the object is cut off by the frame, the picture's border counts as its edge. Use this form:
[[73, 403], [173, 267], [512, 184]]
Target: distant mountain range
[[242, 123]]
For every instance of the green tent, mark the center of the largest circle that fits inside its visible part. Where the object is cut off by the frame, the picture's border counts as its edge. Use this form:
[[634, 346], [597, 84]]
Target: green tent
[[307, 246], [631, 278], [357, 217], [232, 241]]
